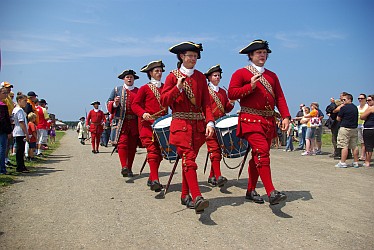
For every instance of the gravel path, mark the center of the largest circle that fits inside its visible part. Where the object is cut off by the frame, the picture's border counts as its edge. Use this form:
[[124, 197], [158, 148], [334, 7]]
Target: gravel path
[[78, 200]]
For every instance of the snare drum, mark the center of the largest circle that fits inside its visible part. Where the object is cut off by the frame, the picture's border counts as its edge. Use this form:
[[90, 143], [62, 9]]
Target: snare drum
[[161, 128], [231, 145]]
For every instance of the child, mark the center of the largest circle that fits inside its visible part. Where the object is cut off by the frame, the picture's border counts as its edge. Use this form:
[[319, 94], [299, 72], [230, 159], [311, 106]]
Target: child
[[52, 133], [32, 135]]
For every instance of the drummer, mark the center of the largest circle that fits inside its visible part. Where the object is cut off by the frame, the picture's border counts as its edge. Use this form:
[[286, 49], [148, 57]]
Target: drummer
[[220, 105], [186, 92], [259, 91], [147, 106]]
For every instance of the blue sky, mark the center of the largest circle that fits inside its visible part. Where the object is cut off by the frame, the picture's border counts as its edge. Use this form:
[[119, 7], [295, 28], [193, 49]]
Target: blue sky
[[70, 52]]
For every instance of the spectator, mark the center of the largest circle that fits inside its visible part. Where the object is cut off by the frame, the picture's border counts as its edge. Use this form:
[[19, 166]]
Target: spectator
[[301, 129], [361, 109], [319, 131], [42, 126], [20, 132], [291, 128], [32, 135], [8, 101], [347, 135], [5, 129], [368, 133], [311, 129], [31, 107]]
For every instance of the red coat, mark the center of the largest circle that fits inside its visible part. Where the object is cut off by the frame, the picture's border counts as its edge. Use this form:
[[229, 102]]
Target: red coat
[[129, 125], [178, 101], [260, 99], [95, 120], [146, 102], [227, 106]]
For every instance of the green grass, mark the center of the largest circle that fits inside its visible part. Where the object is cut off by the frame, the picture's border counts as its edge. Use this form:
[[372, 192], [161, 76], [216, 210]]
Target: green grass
[[11, 178]]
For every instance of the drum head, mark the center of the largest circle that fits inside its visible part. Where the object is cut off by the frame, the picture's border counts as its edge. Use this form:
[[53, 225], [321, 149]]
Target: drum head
[[227, 122], [162, 122]]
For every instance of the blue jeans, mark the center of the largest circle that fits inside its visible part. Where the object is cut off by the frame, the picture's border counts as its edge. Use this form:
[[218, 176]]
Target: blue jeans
[[302, 138], [289, 145], [3, 146]]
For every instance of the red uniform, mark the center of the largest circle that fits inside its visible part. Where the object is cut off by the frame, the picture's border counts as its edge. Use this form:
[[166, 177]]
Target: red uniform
[[187, 129], [147, 102], [212, 143], [128, 139], [258, 129], [95, 120]]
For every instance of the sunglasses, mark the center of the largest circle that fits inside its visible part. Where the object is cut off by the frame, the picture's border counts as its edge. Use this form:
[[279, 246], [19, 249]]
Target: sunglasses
[[369, 100], [361, 98]]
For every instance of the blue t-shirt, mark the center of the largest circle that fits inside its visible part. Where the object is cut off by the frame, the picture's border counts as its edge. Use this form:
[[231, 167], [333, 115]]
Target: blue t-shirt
[[349, 116], [369, 122]]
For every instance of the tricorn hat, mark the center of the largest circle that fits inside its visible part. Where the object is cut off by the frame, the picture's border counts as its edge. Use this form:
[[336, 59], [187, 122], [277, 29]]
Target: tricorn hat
[[152, 65], [95, 102], [216, 68], [128, 72], [82, 118], [187, 46], [255, 45]]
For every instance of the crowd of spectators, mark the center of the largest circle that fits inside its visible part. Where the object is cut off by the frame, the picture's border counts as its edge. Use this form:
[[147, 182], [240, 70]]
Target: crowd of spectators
[[351, 126], [24, 127]]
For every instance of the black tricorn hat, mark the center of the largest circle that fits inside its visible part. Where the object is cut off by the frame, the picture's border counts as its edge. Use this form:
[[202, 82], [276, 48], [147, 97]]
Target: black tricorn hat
[[95, 102], [82, 118], [187, 46], [152, 65], [216, 68], [128, 72], [255, 45]]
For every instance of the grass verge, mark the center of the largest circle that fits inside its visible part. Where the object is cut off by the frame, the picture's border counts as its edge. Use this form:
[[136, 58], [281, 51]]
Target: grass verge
[[11, 177]]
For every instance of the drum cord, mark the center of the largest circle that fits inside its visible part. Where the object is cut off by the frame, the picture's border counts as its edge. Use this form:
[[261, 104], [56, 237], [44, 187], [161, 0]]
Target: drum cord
[[231, 167]]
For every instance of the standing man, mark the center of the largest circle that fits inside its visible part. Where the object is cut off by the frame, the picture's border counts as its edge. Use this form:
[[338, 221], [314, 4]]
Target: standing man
[[259, 91], [186, 92], [347, 135], [220, 105], [125, 122], [42, 126], [95, 120], [104, 139], [148, 107], [31, 105]]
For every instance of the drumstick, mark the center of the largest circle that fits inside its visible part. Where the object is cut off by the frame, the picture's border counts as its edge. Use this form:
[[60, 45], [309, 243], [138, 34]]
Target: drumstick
[[158, 112]]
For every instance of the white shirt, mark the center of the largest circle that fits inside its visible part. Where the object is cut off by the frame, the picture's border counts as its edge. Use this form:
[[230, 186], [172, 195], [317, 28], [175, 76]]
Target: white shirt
[[259, 69], [19, 115]]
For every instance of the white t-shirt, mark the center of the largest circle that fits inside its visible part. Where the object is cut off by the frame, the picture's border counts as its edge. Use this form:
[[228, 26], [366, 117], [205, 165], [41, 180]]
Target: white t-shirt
[[19, 115]]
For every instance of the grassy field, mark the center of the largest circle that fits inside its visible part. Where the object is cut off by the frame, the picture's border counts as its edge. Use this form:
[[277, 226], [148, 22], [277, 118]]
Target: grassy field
[[32, 166]]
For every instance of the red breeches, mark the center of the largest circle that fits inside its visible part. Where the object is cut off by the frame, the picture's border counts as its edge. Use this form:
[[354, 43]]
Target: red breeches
[[95, 140], [153, 156], [259, 165], [215, 156], [127, 144]]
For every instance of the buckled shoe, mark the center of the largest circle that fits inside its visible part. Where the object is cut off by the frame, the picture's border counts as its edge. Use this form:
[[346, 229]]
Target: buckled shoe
[[276, 197], [221, 181], [200, 204]]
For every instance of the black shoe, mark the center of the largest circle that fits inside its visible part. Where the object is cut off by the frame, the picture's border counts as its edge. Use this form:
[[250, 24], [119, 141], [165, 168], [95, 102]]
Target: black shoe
[[254, 196], [125, 172], [130, 173], [200, 204], [93, 151], [97, 151], [156, 186], [187, 201], [276, 197], [221, 181], [149, 182], [212, 181]]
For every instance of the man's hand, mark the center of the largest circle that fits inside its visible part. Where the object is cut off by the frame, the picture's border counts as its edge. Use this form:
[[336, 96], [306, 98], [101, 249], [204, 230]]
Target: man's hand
[[147, 116], [285, 124], [254, 79], [209, 131], [117, 100], [180, 82]]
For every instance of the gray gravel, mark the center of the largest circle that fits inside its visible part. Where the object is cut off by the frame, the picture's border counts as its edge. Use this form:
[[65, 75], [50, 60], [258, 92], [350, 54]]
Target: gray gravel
[[78, 200]]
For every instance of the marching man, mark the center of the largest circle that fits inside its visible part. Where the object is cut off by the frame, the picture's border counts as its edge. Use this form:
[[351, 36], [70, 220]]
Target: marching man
[[259, 91], [147, 106], [95, 121]]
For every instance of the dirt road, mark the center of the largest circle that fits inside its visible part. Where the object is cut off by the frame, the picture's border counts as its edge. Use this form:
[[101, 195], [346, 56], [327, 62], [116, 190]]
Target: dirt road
[[79, 200]]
